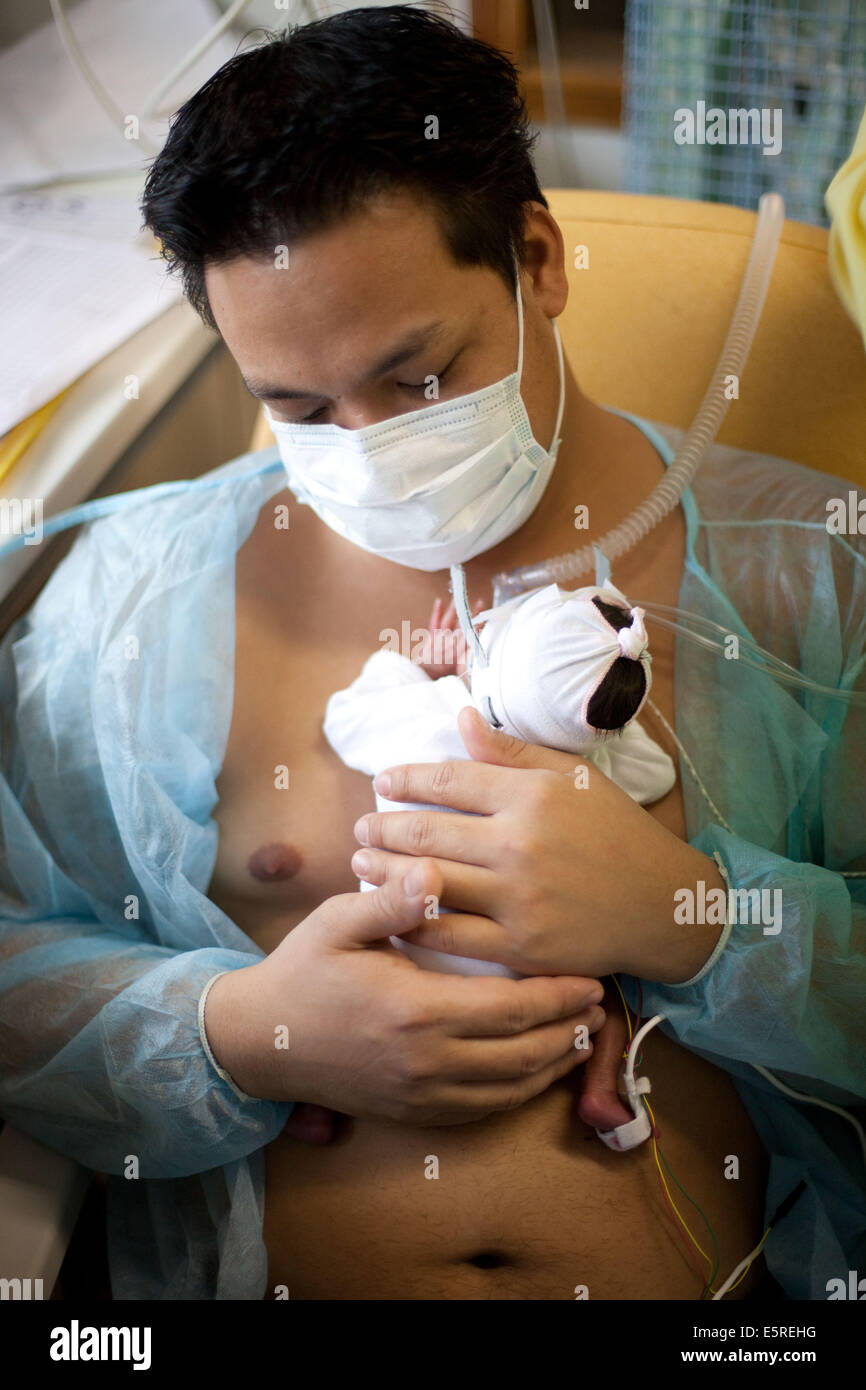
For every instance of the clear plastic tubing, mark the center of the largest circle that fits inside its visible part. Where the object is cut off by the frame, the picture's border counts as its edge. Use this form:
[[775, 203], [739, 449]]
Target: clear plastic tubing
[[694, 445]]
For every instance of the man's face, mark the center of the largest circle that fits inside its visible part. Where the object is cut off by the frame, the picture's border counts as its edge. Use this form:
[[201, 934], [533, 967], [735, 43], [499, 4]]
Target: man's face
[[364, 312]]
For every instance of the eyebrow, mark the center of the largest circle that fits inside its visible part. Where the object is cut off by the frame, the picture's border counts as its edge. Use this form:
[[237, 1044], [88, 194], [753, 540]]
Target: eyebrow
[[407, 347]]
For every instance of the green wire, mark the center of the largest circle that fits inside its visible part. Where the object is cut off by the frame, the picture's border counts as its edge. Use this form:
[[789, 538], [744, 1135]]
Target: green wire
[[709, 1283]]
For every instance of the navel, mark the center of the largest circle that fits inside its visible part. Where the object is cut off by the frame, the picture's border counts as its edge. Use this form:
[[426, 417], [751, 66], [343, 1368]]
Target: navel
[[489, 1259], [273, 863]]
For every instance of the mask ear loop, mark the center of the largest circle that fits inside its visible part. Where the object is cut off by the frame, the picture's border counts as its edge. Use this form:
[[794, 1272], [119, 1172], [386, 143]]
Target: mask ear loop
[[519, 325], [557, 438]]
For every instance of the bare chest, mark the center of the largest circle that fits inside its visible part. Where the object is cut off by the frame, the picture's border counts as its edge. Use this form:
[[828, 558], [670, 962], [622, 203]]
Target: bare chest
[[309, 611]]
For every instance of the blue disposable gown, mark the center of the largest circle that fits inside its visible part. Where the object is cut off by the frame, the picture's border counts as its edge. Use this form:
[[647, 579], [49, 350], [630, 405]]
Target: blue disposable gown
[[116, 691]]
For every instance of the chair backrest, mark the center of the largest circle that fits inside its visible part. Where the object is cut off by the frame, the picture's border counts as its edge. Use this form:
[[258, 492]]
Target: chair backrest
[[646, 320]]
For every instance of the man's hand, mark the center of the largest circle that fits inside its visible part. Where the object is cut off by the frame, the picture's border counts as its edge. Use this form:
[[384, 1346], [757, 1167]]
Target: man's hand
[[553, 873], [369, 1033], [598, 1103]]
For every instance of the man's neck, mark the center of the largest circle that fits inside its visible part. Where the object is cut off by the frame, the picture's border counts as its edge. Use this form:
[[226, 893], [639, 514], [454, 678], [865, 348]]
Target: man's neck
[[604, 465]]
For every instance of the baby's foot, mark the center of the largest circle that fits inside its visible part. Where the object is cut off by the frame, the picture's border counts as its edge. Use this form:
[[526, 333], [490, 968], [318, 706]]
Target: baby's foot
[[311, 1124], [599, 1105]]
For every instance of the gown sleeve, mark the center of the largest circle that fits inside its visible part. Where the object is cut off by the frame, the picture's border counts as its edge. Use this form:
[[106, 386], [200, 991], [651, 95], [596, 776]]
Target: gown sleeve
[[787, 993], [115, 701], [101, 1054]]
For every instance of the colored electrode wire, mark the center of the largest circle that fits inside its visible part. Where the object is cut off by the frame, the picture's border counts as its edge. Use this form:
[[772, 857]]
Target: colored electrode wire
[[635, 1038], [736, 1277], [779, 1214], [666, 1193]]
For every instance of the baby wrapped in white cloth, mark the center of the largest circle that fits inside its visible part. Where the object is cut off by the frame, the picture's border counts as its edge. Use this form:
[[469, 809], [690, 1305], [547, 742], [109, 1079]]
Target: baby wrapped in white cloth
[[562, 669]]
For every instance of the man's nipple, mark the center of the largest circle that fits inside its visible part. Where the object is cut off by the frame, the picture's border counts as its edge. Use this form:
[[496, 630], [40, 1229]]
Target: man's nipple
[[273, 863]]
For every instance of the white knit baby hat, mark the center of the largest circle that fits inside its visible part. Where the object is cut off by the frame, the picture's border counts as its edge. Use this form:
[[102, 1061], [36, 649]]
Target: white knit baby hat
[[547, 654]]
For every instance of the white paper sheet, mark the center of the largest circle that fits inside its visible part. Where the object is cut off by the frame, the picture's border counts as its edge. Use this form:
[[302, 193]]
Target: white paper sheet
[[77, 278]]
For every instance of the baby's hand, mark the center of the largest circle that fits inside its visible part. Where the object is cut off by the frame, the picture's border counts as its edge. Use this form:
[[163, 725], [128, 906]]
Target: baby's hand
[[446, 647]]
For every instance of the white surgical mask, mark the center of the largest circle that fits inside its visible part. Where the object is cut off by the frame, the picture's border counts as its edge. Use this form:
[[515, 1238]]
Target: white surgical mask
[[431, 488]]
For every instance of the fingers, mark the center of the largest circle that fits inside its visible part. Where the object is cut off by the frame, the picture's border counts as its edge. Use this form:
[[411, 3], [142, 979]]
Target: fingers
[[467, 887], [465, 921], [356, 919], [479, 1097], [435, 834], [464, 934], [485, 1006], [526, 1055], [480, 787]]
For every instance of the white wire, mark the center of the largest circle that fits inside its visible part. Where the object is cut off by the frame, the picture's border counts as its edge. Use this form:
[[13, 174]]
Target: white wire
[[148, 108], [813, 1100], [150, 102], [635, 1044], [691, 767], [78, 61], [732, 1278]]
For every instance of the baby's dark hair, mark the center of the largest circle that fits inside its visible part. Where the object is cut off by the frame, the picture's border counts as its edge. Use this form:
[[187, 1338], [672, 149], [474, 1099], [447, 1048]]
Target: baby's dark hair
[[619, 696]]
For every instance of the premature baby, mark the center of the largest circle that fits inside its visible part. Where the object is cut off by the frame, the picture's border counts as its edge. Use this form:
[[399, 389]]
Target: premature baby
[[563, 669]]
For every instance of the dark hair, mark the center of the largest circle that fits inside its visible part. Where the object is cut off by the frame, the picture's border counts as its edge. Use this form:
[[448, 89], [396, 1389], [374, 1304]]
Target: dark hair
[[618, 698], [301, 131]]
